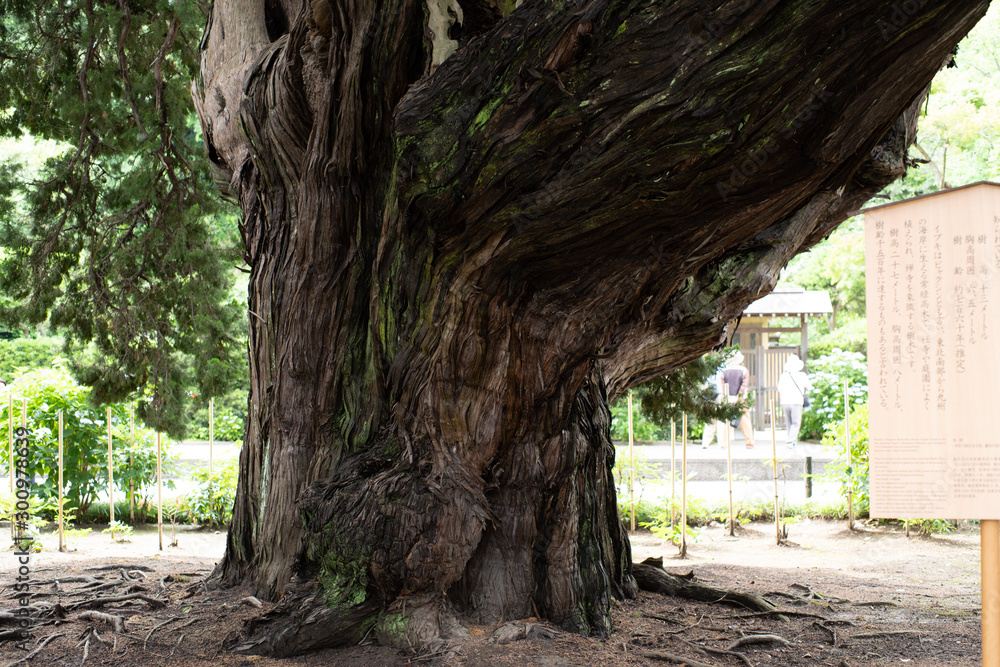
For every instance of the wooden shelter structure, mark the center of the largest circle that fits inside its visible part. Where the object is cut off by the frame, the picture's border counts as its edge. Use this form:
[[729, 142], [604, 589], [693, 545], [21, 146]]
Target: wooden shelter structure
[[756, 335]]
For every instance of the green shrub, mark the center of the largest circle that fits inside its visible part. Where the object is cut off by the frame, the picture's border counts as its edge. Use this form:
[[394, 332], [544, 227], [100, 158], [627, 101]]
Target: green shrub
[[85, 445], [22, 355], [144, 512], [851, 335], [212, 503], [826, 395], [642, 428], [36, 512], [230, 417], [850, 475], [120, 532], [855, 477]]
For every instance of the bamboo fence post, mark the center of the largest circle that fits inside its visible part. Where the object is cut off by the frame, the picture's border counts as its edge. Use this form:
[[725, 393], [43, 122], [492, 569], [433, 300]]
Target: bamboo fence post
[[684, 471], [159, 487], [989, 536], [62, 545], [10, 439], [211, 431], [850, 460], [673, 473], [10, 455], [631, 462], [774, 469], [19, 532], [111, 476], [729, 469], [131, 482]]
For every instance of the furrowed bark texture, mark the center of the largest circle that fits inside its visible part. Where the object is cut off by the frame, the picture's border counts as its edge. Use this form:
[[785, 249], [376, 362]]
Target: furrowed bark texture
[[452, 271]]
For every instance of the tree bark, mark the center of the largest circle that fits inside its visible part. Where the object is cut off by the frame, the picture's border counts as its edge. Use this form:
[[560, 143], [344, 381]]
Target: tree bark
[[453, 271]]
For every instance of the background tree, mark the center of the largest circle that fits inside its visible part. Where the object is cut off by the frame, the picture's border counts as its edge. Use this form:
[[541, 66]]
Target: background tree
[[116, 240]]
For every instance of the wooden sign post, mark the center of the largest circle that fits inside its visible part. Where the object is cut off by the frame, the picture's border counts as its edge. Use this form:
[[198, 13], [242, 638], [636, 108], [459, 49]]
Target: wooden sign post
[[933, 297], [989, 533]]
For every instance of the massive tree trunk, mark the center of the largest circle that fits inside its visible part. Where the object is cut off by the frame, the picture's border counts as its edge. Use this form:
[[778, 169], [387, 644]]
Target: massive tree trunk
[[455, 266]]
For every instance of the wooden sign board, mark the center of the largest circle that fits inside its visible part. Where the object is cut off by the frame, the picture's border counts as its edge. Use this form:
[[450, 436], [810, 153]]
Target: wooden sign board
[[933, 297]]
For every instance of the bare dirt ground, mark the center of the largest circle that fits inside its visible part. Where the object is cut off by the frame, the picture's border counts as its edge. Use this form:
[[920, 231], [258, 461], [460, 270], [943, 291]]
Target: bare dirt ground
[[867, 597]]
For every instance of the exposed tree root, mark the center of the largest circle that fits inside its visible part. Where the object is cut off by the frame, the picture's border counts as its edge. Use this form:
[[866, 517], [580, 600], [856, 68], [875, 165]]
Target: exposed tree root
[[86, 650], [37, 650], [884, 633], [833, 633], [155, 603], [157, 627], [720, 651], [517, 630], [118, 566], [651, 576], [758, 639], [117, 622], [680, 660], [781, 612]]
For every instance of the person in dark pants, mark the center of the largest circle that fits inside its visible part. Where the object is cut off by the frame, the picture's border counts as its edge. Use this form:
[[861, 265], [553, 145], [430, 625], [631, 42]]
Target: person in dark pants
[[736, 381]]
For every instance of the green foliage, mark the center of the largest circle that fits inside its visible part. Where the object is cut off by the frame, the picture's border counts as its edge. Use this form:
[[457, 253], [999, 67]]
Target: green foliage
[[854, 476], [837, 266], [212, 503], [645, 472], [642, 428], [145, 512], [120, 532], [118, 239], [688, 390], [36, 511], [20, 355], [959, 127], [850, 335], [230, 417], [85, 446], [826, 396], [851, 474], [73, 535], [663, 530], [928, 527]]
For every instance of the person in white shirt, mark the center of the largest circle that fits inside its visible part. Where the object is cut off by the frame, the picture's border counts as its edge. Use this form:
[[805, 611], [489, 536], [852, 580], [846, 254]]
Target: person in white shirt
[[792, 388]]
